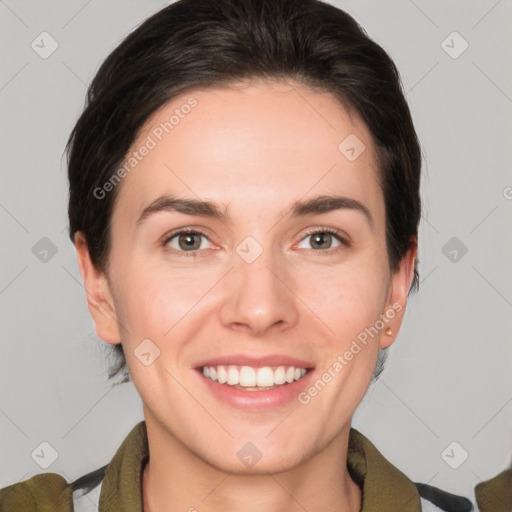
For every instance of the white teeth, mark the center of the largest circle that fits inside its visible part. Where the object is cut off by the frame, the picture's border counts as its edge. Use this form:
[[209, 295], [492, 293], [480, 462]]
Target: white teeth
[[233, 375], [265, 377], [280, 375], [222, 374], [247, 376]]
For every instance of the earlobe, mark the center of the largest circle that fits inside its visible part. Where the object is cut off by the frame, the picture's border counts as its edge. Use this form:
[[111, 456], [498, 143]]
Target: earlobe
[[98, 294], [401, 282]]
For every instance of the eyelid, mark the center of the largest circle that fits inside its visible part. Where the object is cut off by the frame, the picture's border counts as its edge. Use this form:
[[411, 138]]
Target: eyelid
[[179, 231]]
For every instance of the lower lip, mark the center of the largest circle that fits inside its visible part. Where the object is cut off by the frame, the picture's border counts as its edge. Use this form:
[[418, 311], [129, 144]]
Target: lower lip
[[257, 400]]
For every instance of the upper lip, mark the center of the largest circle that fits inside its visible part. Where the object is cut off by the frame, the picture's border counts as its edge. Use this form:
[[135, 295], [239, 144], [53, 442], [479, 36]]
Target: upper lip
[[260, 361]]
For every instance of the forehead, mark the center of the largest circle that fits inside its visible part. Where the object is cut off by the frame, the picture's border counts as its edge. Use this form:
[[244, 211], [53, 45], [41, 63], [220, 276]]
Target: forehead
[[253, 145]]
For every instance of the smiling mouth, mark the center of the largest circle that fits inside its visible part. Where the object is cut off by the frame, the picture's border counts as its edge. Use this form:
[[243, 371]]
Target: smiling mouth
[[249, 378]]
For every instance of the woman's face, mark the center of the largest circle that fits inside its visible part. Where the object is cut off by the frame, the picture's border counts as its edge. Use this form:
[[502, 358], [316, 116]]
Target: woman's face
[[252, 281]]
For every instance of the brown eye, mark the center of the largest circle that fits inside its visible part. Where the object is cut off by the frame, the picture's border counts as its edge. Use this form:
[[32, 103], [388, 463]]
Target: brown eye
[[323, 240], [186, 241]]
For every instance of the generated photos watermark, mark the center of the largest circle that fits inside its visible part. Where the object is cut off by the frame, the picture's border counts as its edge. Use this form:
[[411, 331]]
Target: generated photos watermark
[[133, 158], [355, 348]]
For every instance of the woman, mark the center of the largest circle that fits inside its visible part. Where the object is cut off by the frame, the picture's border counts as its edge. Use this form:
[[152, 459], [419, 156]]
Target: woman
[[244, 202]]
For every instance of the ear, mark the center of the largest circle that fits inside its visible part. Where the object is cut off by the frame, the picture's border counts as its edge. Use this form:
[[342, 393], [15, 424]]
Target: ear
[[99, 296], [401, 282]]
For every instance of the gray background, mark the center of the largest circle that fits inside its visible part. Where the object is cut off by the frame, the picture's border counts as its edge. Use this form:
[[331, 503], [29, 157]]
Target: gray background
[[448, 375]]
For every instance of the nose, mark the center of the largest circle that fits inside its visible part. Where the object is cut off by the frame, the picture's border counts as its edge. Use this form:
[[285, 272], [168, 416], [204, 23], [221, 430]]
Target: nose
[[258, 297]]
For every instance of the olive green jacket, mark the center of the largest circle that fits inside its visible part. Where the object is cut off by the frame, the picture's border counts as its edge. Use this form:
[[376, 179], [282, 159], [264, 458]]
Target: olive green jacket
[[495, 495], [384, 487]]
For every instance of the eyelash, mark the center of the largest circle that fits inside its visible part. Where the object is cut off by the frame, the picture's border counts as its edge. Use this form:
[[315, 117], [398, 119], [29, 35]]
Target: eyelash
[[194, 254]]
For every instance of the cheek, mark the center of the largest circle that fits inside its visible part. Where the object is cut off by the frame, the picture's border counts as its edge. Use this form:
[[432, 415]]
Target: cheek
[[154, 309], [349, 298], [160, 304]]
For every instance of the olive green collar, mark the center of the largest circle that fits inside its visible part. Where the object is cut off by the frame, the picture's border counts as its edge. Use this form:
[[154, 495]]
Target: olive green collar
[[495, 494], [384, 486]]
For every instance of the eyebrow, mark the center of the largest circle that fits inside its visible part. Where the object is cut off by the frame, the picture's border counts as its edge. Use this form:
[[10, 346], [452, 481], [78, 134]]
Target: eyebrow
[[314, 206]]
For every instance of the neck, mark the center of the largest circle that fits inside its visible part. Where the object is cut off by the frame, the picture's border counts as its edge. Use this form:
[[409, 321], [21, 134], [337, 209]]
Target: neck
[[175, 479]]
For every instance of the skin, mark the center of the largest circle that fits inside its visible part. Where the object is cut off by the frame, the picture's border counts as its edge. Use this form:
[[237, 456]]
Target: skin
[[256, 149]]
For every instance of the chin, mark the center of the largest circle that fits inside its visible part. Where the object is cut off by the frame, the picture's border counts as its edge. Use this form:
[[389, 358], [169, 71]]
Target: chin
[[257, 464]]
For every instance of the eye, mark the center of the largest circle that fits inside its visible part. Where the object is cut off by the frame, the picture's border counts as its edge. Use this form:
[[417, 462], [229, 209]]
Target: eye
[[322, 239], [186, 241]]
